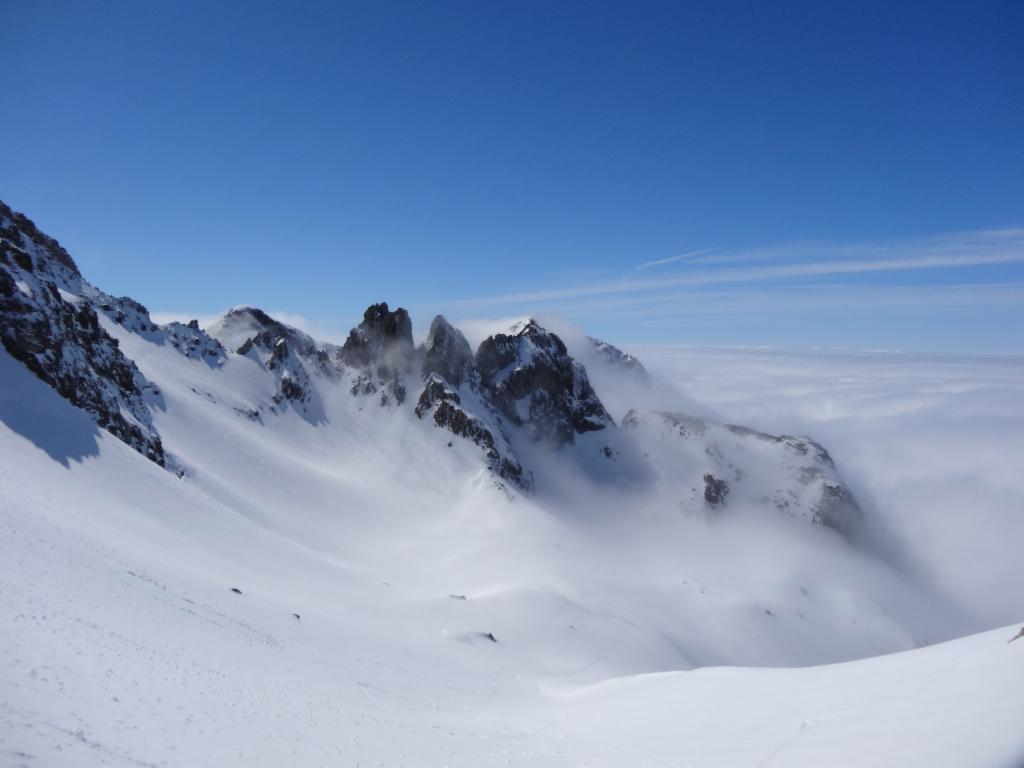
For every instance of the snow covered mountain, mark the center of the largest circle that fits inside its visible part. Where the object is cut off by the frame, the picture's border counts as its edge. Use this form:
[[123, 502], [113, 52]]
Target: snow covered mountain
[[239, 544], [520, 393]]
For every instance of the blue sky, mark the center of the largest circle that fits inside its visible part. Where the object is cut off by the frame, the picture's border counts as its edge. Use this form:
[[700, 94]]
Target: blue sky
[[834, 174]]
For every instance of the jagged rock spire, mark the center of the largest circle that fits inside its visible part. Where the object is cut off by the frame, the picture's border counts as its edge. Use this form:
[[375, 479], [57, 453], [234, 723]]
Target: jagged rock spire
[[447, 353], [381, 332]]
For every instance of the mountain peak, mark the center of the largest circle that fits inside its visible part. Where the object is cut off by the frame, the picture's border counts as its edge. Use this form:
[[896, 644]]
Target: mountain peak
[[446, 352], [21, 232], [380, 332], [242, 326], [536, 384]]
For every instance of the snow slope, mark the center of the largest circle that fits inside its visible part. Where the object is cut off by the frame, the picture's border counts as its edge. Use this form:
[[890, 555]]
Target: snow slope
[[253, 548], [126, 646]]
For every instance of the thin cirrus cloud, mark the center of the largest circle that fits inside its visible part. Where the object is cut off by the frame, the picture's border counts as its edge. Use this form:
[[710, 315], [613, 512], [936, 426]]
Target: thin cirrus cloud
[[791, 263], [688, 256], [831, 298]]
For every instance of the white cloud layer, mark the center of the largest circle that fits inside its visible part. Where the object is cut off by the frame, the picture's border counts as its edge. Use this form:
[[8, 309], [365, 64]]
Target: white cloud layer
[[932, 446]]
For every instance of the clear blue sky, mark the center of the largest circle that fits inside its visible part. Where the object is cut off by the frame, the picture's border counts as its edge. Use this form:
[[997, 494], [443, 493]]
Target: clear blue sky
[[493, 159]]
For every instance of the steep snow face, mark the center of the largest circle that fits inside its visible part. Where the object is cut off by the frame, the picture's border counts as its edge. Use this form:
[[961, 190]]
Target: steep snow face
[[536, 385]]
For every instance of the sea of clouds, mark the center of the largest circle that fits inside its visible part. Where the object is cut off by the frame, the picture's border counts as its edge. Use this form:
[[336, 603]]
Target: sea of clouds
[[933, 446]]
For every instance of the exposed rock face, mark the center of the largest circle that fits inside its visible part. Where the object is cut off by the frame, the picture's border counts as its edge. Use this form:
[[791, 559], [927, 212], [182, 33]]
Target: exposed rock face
[[795, 475], [447, 353], [715, 490], [47, 324], [382, 335], [292, 377], [193, 342], [188, 339], [380, 348], [536, 385], [837, 509], [23, 235], [445, 404], [448, 369]]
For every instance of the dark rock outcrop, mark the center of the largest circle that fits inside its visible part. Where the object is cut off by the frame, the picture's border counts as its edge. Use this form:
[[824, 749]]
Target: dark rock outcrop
[[715, 490], [48, 325], [380, 349], [20, 232], [533, 382], [447, 353], [445, 404], [194, 343], [292, 377], [383, 337]]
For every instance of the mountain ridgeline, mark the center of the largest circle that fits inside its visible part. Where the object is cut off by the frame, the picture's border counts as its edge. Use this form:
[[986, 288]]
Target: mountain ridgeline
[[520, 398]]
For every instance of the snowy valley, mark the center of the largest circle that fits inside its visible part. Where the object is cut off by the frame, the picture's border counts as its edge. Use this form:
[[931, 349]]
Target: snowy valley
[[240, 545]]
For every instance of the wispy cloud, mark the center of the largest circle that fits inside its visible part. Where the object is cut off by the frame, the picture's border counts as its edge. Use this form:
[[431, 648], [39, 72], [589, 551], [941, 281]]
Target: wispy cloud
[[689, 255], [827, 298], [959, 252]]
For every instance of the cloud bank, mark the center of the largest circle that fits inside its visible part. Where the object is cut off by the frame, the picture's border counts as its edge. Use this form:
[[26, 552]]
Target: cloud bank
[[930, 444]]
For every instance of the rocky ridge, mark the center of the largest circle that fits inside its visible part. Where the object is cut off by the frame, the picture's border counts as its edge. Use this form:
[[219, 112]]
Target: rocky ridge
[[726, 463], [519, 389], [48, 321]]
